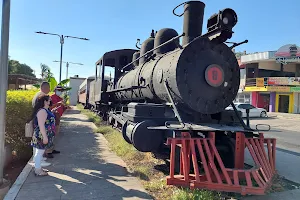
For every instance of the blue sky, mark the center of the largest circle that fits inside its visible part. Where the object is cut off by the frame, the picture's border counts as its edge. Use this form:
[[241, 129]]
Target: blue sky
[[117, 24]]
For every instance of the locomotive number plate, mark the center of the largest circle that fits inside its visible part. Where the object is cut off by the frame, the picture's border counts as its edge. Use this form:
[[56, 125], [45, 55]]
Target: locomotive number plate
[[214, 75]]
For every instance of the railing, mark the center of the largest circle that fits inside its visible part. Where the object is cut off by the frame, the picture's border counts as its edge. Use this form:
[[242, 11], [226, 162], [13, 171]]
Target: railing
[[258, 56], [252, 82]]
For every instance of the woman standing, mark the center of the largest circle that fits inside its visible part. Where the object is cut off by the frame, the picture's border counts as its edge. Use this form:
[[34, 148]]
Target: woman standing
[[44, 131]]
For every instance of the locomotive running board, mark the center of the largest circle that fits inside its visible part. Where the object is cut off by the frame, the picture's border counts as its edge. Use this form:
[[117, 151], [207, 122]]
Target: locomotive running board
[[255, 180], [204, 127]]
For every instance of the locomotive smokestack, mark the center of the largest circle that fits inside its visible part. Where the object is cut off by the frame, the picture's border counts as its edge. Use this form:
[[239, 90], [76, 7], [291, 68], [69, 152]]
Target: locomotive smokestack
[[192, 20]]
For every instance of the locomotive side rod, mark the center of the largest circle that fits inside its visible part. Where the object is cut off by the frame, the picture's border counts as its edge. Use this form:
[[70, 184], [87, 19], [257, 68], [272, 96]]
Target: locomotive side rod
[[167, 42], [173, 104]]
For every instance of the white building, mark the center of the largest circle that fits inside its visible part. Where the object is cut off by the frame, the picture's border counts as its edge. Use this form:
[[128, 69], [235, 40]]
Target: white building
[[75, 82]]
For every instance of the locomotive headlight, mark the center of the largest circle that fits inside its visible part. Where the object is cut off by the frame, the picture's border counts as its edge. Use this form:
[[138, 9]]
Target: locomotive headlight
[[229, 17], [225, 19]]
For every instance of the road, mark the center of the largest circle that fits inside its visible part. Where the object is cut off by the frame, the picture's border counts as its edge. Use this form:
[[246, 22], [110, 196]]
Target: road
[[287, 132]]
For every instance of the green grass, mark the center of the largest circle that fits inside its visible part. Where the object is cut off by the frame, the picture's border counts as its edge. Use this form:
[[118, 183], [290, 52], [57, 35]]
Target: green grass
[[142, 165], [186, 194], [91, 116]]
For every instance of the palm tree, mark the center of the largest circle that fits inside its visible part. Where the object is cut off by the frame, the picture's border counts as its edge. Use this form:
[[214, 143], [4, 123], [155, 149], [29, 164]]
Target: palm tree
[[45, 71]]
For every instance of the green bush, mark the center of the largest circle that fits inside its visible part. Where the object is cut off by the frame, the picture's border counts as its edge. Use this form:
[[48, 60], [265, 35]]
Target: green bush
[[18, 110]]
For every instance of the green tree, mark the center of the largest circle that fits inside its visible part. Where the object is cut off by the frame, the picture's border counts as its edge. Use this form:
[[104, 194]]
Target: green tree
[[47, 75], [46, 72], [15, 67]]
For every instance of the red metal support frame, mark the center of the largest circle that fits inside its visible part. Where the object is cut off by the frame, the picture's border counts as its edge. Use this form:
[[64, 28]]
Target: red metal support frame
[[239, 150], [256, 180]]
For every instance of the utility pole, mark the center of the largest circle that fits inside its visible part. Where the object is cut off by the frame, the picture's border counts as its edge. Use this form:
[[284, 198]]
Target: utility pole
[[67, 66], [62, 41], [3, 78]]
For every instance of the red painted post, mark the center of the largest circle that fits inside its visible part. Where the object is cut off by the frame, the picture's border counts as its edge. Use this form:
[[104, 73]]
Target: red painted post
[[239, 150]]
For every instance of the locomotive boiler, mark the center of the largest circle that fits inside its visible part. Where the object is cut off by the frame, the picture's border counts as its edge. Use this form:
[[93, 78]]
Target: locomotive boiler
[[166, 86]]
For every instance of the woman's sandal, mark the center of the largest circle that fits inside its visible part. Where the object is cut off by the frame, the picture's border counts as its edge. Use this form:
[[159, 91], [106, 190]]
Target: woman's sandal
[[45, 170], [40, 173]]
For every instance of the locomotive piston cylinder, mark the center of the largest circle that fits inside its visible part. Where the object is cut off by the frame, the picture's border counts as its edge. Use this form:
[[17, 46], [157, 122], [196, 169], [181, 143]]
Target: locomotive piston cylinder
[[192, 20]]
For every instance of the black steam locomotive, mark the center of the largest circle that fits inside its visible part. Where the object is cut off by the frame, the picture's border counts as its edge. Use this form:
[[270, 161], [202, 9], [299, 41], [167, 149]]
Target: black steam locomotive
[[163, 87]]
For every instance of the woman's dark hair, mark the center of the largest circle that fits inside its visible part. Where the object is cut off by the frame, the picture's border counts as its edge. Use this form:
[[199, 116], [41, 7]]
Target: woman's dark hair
[[39, 104]]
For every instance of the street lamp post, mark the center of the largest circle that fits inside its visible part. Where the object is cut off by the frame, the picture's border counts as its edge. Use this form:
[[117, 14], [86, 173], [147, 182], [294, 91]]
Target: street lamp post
[[3, 79], [62, 40], [67, 66]]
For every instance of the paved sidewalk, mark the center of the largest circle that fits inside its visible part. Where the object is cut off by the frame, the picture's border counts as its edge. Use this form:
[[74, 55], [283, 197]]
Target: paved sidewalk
[[85, 168], [284, 115], [286, 195]]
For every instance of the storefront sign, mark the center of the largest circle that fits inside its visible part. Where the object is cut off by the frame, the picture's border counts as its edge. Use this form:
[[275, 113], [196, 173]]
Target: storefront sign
[[278, 81], [278, 89], [288, 60], [295, 89], [284, 81], [253, 89], [260, 82], [289, 53], [294, 80]]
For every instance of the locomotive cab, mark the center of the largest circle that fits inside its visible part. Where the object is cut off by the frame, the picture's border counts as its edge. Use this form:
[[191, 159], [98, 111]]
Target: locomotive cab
[[108, 70]]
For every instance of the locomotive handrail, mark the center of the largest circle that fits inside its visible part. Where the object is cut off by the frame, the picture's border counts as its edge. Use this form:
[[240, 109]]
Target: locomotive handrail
[[167, 42], [168, 124], [261, 129], [127, 88], [178, 7]]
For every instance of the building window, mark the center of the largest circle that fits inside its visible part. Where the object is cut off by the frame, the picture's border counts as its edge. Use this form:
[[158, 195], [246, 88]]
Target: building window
[[243, 98]]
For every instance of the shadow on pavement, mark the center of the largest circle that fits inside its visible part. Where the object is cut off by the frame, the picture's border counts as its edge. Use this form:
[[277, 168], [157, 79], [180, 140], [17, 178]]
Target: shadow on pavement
[[85, 169], [70, 119]]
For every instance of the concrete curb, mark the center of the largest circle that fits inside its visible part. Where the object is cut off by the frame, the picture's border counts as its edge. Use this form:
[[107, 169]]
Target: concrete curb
[[14, 190]]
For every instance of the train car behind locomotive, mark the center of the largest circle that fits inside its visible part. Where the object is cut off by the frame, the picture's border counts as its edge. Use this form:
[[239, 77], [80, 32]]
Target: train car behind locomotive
[[83, 92], [165, 87]]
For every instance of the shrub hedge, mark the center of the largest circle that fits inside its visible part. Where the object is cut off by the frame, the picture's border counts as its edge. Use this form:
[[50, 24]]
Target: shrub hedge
[[18, 109]]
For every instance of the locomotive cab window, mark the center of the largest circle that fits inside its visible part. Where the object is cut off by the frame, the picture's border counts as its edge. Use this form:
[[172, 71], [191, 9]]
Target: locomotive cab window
[[109, 73], [99, 71], [109, 70]]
